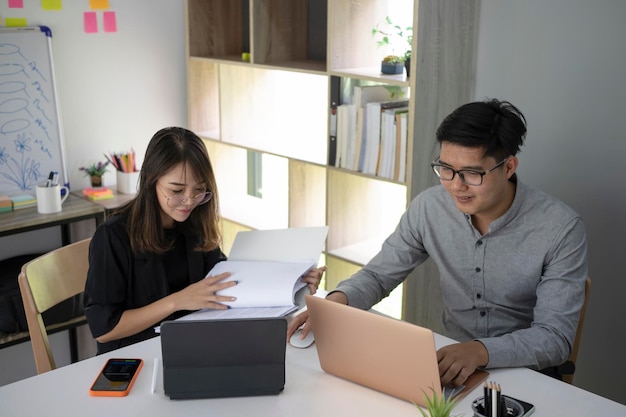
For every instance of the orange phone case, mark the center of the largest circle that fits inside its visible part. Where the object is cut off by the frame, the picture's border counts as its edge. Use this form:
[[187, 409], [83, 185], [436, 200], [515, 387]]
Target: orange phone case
[[105, 393]]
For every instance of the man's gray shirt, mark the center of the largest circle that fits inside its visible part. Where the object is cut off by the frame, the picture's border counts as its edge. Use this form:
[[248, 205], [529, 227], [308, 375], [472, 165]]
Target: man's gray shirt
[[518, 289]]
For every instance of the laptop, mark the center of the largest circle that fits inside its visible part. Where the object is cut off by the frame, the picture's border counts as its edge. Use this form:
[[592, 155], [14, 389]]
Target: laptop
[[223, 358], [379, 352]]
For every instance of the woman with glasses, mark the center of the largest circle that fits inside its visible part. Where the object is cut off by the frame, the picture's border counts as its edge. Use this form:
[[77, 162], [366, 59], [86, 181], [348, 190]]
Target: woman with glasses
[[512, 260], [148, 261]]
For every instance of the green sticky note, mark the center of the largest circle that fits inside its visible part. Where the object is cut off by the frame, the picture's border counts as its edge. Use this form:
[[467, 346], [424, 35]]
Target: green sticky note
[[12, 22], [51, 4]]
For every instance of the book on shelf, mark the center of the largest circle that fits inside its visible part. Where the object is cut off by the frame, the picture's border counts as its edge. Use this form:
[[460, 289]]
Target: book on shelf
[[335, 91], [5, 203], [346, 136], [99, 193], [269, 266], [373, 140], [359, 152], [350, 160], [22, 201], [402, 132], [387, 142], [343, 133], [361, 96], [390, 146]]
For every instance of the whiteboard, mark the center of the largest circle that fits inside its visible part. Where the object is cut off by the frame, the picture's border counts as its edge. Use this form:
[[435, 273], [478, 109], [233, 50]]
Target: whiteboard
[[31, 140]]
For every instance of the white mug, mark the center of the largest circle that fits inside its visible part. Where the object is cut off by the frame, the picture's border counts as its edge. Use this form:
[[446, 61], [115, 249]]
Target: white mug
[[49, 199]]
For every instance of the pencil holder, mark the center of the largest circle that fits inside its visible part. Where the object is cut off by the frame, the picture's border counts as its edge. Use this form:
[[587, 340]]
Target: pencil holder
[[127, 182], [513, 408]]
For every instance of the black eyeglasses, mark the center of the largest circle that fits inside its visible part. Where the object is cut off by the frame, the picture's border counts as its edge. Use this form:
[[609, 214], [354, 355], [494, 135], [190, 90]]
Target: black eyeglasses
[[179, 199], [467, 176]]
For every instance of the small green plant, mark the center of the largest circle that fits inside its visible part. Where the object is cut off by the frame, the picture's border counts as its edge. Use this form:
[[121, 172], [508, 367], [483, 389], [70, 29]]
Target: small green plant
[[393, 59], [396, 37], [97, 169], [437, 405]]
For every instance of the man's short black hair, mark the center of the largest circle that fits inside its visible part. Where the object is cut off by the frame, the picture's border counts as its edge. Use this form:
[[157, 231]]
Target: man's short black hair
[[497, 126]]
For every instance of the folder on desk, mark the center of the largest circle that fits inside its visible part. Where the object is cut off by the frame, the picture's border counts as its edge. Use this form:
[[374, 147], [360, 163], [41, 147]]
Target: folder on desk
[[269, 265], [223, 358]]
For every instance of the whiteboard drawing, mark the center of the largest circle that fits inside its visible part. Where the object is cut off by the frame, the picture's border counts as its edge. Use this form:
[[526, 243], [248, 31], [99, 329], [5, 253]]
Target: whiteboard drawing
[[31, 142]]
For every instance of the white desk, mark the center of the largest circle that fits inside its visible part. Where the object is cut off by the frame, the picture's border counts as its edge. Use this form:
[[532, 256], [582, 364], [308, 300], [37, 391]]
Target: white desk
[[308, 392]]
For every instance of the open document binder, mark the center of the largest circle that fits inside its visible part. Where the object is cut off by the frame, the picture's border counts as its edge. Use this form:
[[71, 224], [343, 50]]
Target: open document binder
[[269, 265]]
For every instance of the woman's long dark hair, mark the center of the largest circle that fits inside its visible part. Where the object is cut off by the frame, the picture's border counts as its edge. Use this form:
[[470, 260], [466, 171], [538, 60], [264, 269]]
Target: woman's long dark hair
[[168, 148]]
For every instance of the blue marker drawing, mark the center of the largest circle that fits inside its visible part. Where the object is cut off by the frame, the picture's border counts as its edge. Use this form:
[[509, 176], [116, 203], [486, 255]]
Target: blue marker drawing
[[31, 137]]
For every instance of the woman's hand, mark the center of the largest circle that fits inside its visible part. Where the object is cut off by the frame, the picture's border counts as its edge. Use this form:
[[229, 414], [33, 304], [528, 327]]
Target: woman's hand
[[313, 278], [300, 320], [203, 294]]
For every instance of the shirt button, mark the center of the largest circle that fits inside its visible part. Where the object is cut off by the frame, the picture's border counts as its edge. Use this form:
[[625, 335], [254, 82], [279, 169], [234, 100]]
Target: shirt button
[[482, 314], [480, 242], [478, 295], [477, 269]]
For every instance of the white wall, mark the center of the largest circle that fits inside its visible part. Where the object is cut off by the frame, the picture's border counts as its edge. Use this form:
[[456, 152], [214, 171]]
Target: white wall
[[562, 63], [115, 91]]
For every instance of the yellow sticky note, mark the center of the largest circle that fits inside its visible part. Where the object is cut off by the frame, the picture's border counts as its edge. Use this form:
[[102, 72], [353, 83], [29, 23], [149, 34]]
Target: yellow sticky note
[[52, 4], [99, 4], [15, 22]]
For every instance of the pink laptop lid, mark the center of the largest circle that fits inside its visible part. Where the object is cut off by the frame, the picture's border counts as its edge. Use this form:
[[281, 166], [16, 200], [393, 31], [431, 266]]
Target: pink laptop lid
[[379, 352]]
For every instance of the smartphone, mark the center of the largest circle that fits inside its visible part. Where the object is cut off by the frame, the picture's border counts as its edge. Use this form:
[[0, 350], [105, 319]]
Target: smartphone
[[116, 377], [528, 407]]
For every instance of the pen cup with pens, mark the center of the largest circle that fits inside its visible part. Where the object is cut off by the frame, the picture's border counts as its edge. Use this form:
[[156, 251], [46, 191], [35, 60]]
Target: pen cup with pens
[[126, 171], [511, 408], [494, 404]]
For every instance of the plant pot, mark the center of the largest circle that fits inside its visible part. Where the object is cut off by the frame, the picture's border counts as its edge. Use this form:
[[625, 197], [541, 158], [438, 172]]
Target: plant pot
[[391, 68], [96, 181]]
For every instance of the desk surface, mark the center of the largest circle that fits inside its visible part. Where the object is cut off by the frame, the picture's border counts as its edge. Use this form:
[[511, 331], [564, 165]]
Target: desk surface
[[109, 204], [74, 209], [308, 392]]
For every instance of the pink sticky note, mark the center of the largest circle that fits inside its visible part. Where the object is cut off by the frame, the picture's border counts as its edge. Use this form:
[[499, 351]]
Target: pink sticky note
[[110, 22], [99, 4], [16, 4], [91, 22], [51, 4]]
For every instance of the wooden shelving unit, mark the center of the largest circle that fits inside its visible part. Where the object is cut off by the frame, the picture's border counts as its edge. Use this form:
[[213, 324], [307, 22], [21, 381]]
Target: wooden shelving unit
[[276, 104]]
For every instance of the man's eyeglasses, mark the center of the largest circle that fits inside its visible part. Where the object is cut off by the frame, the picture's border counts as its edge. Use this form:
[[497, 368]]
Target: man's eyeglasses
[[467, 176], [180, 199]]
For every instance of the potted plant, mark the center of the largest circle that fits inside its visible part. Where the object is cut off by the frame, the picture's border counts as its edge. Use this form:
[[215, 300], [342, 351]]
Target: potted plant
[[392, 64], [95, 172], [398, 40], [437, 405]]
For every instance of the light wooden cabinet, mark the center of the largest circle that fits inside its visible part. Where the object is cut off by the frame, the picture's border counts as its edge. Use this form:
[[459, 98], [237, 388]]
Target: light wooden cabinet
[[259, 78]]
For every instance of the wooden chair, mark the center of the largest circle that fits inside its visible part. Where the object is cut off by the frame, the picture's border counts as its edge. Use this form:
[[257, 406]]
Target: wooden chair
[[47, 281], [568, 368]]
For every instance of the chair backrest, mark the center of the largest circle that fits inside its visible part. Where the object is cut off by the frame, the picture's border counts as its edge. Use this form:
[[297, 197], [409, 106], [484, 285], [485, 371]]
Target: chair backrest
[[45, 282], [569, 376]]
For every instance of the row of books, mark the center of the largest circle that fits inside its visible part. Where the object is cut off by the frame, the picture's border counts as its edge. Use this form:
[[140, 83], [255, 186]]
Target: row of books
[[371, 132], [16, 202]]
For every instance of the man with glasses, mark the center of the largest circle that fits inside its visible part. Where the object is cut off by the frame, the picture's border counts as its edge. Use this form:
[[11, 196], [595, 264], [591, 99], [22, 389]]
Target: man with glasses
[[512, 259]]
